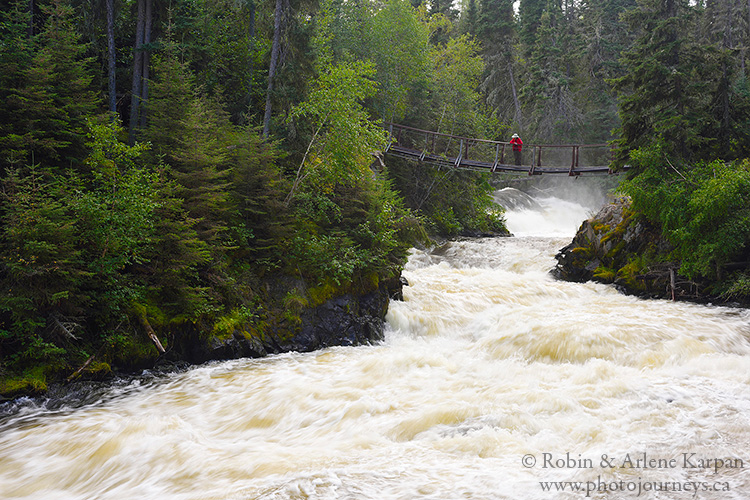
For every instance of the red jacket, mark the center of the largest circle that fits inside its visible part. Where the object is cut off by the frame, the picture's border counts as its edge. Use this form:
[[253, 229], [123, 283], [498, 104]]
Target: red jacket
[[517, 143]]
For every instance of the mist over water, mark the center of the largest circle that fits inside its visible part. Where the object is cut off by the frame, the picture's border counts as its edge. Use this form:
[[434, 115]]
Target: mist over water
[[546, 217], [493, 379], [551, 206]]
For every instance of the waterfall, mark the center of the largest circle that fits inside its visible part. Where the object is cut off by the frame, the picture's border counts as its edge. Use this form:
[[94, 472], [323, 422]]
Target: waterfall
[[494, 382]]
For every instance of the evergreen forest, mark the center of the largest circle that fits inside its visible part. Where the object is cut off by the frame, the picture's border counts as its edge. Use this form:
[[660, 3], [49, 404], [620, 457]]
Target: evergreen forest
[[162, 163]]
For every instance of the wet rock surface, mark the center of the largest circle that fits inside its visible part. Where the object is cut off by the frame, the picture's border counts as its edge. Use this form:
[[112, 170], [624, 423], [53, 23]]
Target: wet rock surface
[[344, 320], [615, 246], [618, 247]]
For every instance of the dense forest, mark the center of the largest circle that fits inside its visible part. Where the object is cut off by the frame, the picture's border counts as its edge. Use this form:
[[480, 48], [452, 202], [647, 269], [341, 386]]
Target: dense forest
[[162, 162]]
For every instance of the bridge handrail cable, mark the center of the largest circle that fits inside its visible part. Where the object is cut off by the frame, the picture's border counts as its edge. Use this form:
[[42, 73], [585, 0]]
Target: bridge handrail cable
[[390, 126]]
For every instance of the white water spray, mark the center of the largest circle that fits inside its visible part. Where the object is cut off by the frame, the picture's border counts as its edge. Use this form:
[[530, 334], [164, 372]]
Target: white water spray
[[494, 382]]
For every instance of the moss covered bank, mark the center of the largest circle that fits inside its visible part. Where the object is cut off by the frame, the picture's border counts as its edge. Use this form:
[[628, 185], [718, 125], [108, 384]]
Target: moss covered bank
[[620, 247], [292, 317]]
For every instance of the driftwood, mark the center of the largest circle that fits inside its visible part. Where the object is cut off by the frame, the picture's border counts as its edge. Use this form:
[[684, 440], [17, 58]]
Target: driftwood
[[63, 328], [672, 280], [151, 333], [83, 367], [658, 271], [667, 272]]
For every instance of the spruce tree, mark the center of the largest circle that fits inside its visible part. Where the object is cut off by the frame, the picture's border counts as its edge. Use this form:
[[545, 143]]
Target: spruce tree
[[549, 94], [666, 87], [530, 18], [603, 36], [187, 130], [56, 97], [497, 36], [470, 20], [16, 54]]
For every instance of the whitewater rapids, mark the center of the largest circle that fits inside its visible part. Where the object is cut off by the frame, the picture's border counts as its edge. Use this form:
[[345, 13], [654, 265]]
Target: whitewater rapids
[[494, 380]]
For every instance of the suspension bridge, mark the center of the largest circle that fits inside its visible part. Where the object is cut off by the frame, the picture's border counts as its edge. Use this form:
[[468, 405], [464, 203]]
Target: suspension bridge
[[446, 150]]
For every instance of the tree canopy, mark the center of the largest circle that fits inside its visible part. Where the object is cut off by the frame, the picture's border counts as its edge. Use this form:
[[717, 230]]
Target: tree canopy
[[161, 162]]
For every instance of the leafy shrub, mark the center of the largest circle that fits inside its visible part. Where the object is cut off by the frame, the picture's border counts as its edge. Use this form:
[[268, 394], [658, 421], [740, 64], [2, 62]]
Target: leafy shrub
[[704, 210]]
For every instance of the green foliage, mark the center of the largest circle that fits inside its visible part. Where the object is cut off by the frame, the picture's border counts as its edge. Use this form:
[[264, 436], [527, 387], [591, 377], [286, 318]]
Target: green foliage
[[53, 95], [665, 88], [237, 319], [555, 115], [455, 102], [115, 213], [41, 260], [15, 56], [496, 33], [350, 238], [217, 40], [114, 210], [704, 211], [256, 194], [736, 287], [530, 18], [398, 45], [68, 243], [342, 136]]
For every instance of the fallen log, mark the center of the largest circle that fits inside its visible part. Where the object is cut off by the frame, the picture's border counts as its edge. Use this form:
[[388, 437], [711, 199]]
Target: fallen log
[[83, 367], [151, 333]]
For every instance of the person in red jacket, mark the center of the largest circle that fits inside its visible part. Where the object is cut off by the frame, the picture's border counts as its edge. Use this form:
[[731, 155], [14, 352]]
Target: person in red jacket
[[517, 146]]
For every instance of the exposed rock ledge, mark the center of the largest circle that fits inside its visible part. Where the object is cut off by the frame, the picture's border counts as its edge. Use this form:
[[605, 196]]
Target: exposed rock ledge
[[343, 320], [348, 319], [617, 247]]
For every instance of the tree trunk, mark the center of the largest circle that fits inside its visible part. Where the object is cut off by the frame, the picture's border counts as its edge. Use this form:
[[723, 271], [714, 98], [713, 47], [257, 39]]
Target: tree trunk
[[250, 55], [151, 334], [146, 60], [31, 18], [135, 95], [518, 118], [111, 56], [275, 50]]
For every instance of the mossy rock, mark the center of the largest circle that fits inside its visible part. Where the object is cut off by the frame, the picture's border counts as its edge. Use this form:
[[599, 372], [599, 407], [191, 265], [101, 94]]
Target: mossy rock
[[238, 318], [132, 352], [614, 253], [97, 370], [627, 275], [605, 274], [598, 227], [31, 383], [321, 294], [583, 252]]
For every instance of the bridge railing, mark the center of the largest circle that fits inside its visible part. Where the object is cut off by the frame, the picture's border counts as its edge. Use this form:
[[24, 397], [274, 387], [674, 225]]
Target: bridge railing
[[481, 154]]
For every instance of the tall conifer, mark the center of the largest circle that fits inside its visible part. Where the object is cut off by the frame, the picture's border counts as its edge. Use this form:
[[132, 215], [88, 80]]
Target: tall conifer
[[55, 97], [664, 92]]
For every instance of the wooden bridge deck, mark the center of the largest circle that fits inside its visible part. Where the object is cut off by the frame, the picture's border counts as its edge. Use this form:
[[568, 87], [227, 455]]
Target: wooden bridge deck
[[451, 151]]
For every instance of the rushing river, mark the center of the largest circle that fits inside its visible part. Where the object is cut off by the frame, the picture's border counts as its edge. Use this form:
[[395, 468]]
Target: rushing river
[[493, 382]]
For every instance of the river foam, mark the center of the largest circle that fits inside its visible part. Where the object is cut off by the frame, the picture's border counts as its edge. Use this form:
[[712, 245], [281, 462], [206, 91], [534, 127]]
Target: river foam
[[493, 380]]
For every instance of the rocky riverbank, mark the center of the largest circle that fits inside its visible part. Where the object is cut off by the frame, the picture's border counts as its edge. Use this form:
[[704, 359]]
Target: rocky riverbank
[[617, 246], [346, 319], [295, 319]]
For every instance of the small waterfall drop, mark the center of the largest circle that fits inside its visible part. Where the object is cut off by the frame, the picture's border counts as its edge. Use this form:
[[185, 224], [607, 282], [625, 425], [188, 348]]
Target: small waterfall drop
[[494, 382]]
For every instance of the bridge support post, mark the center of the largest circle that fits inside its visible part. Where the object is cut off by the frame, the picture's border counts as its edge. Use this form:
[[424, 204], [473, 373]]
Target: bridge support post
[[401, 145], [574, 163]]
